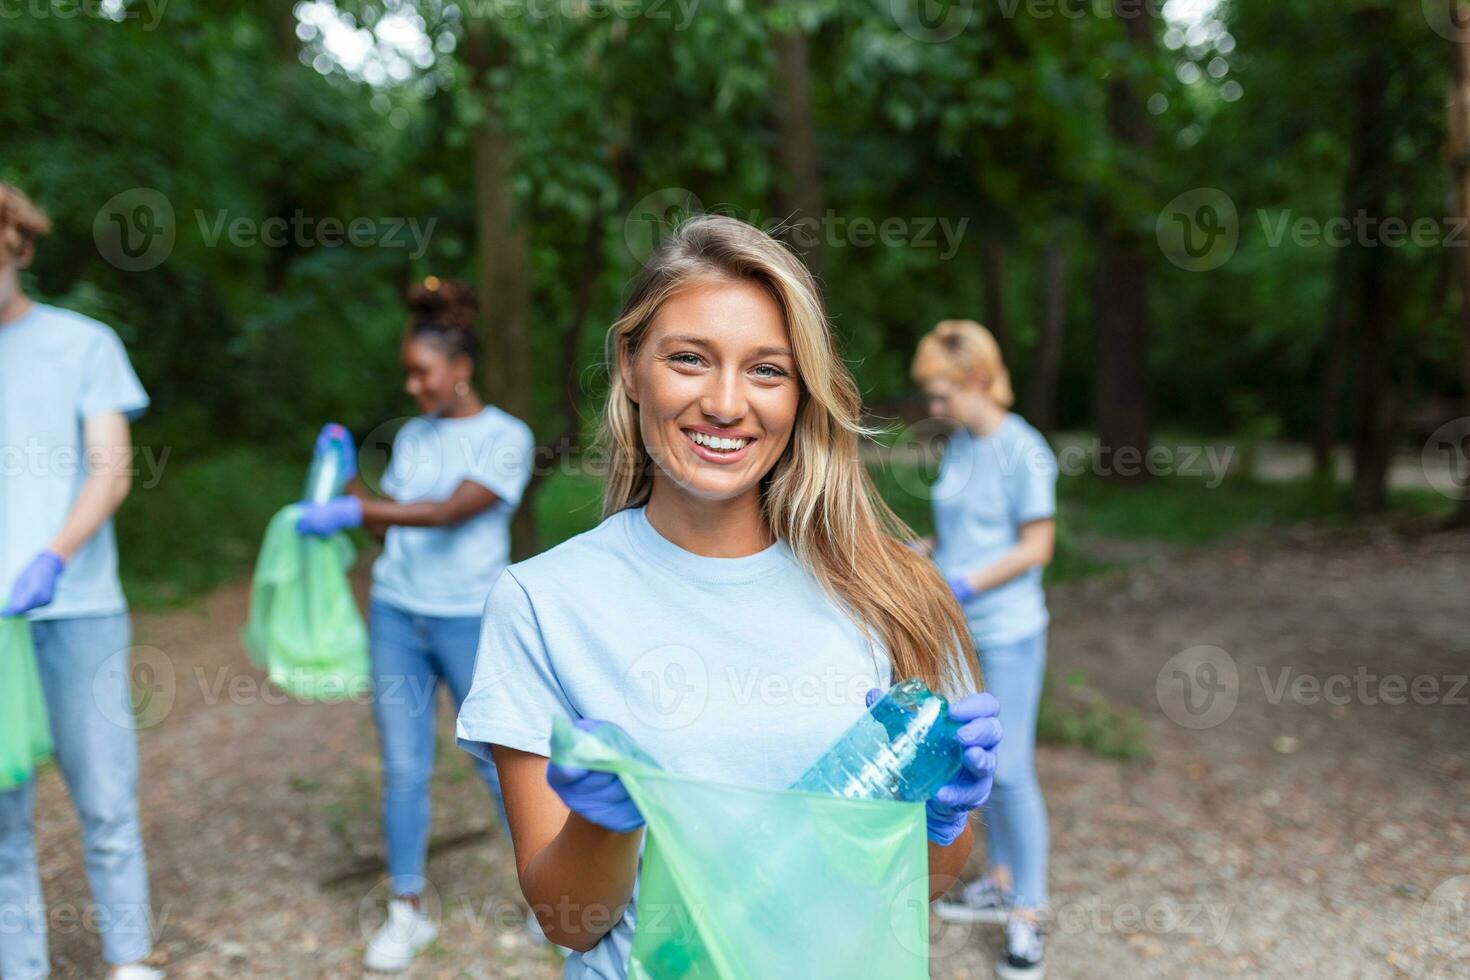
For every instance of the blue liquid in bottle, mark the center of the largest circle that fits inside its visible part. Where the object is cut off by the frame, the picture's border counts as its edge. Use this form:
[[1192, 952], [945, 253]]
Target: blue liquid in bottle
[[329, 465], [904, 748]]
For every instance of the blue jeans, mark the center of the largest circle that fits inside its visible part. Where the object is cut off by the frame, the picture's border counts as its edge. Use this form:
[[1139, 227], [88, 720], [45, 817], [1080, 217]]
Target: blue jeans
[[1015, 826], [411, 655], [83, 665]]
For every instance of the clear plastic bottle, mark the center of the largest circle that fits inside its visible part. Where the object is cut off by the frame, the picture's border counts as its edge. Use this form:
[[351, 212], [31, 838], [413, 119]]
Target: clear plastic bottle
[[904, 748], [329, 465]]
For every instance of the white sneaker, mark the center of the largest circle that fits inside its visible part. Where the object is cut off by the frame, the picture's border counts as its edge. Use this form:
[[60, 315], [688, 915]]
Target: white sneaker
[[1024, 951], [401, 938], [982, 900], [135, 971]]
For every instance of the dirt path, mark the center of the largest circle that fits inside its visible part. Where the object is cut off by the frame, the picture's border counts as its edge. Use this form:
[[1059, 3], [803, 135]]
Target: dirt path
[[1292, 837]]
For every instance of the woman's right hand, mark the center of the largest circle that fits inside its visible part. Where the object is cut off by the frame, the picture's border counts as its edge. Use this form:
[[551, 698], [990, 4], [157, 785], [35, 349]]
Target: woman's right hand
[[325, 520], [598, 797]]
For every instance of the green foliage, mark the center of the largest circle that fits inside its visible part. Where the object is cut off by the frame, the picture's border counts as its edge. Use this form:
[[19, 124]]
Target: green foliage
[[1073, 713], [201, 525], [1000, 130]]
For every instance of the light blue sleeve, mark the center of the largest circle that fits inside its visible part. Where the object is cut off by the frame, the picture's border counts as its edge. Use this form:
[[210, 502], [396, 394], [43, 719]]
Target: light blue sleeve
[[1034, 486], [515, 693], [108, 381], [503, 463], [409, 450]]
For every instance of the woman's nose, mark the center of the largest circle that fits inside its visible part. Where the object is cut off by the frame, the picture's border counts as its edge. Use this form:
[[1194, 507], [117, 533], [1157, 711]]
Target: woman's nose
[[724, 399]]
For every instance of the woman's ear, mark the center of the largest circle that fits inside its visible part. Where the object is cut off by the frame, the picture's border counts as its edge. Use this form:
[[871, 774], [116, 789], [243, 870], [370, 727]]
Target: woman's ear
[[464, 369], [626, 372]]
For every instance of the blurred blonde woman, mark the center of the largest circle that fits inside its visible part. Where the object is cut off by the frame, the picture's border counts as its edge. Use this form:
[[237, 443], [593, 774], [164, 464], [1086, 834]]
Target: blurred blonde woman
[[994, 519], [742, 537]]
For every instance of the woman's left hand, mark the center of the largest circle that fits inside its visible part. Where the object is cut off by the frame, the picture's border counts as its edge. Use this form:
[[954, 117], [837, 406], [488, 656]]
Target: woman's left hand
[[948, 810]]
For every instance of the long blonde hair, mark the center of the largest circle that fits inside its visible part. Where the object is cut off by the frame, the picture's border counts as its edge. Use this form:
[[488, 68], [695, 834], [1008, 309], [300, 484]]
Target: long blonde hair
[[964, 351], [818, 496]]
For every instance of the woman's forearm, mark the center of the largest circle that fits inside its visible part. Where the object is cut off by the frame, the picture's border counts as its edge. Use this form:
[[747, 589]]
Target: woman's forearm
[[1033, 550], [426, 513], [946, 863], [468, 499], [1015, 562], [580, 883]]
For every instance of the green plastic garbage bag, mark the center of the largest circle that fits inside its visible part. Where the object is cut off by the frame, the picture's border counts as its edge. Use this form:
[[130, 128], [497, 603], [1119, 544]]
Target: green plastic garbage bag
[[304, 627], [739, 883], [25, 738]]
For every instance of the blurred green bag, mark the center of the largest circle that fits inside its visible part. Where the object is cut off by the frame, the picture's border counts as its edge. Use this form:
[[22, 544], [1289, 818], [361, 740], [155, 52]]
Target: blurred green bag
[[25, 738], [748, 884], [304, 627]]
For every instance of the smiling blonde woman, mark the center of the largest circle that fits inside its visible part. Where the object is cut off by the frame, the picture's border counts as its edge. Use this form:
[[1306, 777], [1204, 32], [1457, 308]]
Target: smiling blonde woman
[[743, 543]]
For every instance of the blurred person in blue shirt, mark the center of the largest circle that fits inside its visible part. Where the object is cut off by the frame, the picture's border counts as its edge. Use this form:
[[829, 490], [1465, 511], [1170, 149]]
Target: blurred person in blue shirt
[[67, 394], [994, 529], [454, 481]]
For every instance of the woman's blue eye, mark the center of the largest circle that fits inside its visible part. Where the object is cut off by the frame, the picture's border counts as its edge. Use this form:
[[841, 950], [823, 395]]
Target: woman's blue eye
[[685, 358], [770, 371]]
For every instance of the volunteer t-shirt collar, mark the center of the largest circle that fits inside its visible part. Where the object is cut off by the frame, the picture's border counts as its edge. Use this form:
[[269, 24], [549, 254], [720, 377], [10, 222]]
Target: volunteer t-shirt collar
[[646, 540]]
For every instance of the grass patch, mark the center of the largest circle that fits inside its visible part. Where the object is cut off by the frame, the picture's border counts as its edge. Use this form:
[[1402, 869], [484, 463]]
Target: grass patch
[[1072, 713], [202, 525]]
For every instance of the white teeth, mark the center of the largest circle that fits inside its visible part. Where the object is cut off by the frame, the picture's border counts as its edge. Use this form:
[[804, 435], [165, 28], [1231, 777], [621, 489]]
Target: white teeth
[[717, 443]]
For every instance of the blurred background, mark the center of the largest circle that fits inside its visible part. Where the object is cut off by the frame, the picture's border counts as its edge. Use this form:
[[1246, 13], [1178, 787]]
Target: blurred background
[[1225, 247]]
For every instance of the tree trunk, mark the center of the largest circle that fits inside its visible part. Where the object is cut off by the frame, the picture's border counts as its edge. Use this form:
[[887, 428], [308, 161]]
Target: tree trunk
[[800, 195], [1122, 286], [1336, 336], [993, 299], [504, 267], [1041, 393], [592, 264], [1373, 397], [1459, 167]]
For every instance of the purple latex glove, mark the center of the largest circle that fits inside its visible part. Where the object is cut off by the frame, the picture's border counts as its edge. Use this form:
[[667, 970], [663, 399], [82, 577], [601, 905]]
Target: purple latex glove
[[948, 810], [35, 586], [599, 797], [339, 431], [326, 519], [962, 589]]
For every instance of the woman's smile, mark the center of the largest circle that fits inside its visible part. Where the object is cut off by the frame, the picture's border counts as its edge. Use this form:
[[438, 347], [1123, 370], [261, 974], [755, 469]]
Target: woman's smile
[[717, 446]]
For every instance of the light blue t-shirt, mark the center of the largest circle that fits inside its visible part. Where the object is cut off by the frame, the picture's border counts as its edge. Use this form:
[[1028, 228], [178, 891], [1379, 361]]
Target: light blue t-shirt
[[57, 369], [741, 670], [448, 571], [988, 486]]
